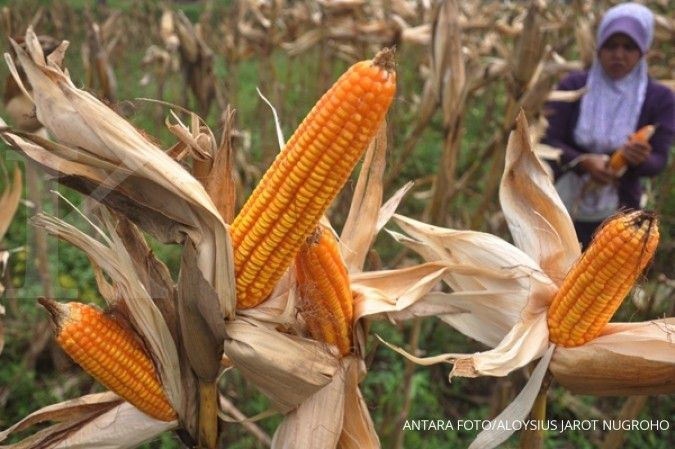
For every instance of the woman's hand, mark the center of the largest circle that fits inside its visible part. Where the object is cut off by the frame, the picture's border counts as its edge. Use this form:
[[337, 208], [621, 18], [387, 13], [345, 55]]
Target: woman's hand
[[636, 153], [596, 166]]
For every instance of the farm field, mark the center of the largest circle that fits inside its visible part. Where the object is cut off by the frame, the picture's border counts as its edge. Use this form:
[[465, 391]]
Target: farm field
[[218, 87]]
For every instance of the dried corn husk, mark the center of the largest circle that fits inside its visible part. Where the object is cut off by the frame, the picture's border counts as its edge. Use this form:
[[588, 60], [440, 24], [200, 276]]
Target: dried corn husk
[[100, 420], [627, 359], [131, 173]]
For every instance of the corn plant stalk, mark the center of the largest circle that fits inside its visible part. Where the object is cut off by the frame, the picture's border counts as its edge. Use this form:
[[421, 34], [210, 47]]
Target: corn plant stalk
[[450, 82], [533, 436], [99, 63], [398, 436], [228, 407], [197, 64], [525, 64], [428, 105]]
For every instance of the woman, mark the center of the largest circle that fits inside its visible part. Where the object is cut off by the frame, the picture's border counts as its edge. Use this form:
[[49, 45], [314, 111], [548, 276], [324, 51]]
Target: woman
[[621, 98]]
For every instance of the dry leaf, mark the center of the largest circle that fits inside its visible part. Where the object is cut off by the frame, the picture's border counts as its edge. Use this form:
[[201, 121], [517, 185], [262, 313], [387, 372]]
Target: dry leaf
[[101, 420], [567, 96], [317, 422], [358, 431], [517, 411], [202, 328]]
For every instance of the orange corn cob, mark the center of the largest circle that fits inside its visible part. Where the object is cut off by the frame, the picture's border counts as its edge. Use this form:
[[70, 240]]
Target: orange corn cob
[[111, 354], [307, 175], [595, 287], [323, 283], [617, 162]]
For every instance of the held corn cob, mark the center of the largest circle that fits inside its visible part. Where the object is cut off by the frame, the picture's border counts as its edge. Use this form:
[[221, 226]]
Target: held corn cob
[[111, 354], [595, 287], [617, 162], [323, 284], [307, 175]]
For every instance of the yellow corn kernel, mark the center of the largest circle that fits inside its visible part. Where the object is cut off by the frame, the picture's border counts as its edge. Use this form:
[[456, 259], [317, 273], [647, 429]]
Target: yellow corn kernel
[[307, 175], [111, 354], [326, 297], [595, 287]]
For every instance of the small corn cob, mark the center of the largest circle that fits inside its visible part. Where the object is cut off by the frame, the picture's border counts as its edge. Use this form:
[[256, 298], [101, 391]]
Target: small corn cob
[[307, 175], [595, 287], [111, 354], [323, 283], [617, 162]]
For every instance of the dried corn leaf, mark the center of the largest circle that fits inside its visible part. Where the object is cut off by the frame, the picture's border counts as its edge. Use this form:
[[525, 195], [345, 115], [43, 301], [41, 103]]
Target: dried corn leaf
[[100, 420], [70, 411], [314, 424], [389, 208], [547, 152], [167, 30], [526, 341], [385, 294], [202, 328], [152, 273], [567, 96], [200, 146], [221, 184], [285, 368], [485, 316], [490, 263], [358, 431], [517, 411], [346, 424], [122, 427], [124, 162]]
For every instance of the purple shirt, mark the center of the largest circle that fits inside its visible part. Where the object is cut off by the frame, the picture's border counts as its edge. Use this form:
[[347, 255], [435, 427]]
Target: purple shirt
[[657, 109]]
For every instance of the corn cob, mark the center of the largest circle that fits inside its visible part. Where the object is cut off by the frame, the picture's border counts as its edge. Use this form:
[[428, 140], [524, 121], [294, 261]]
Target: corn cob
[[307, 175], [617, 162], [111, 354], [595, 287], [323, 282]]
